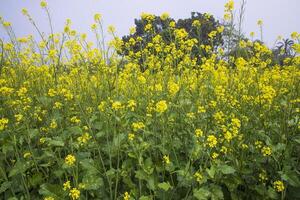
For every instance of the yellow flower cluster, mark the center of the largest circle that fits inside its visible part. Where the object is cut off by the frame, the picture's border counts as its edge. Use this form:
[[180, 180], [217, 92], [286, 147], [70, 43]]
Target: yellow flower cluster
[[84, 138], [198, 132], [3, 123], [74, 193], [126, 196], [161, 106], [212, 141], [70, 160], [198, 176], [266, 151], [117, 105], [166, 159], [138, 126], [131, 136], [279, 186]]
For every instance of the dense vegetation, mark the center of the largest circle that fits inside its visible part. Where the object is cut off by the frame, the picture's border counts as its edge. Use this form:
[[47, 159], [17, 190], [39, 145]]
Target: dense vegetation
[[155, 122]]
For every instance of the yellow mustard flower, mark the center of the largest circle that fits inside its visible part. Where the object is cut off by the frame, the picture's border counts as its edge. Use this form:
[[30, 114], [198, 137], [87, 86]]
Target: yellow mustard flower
[[126, 196], [198, 132], [212, 141], [3, 123], [166, 159], [266, 151], [138, 126], [198, 176], [70, 160], [278, 186], [43, 4], [74, 193], [161, 106], [67, 185], [131, 136]]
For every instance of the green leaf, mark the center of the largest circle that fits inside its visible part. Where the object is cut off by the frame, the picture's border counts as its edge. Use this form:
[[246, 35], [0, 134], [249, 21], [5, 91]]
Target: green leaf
[[100, 134], [89, 166], [211, 172], [140, 174], [216, 192], [165, 186], [4, 186], [56, 143], [51, 190], [272, 193], [145, 198], [151, 183], [33, 133], [226, 169], [291, 177], [19, 168], [36, 179], [75, 130], [202, 194], [92, 182]]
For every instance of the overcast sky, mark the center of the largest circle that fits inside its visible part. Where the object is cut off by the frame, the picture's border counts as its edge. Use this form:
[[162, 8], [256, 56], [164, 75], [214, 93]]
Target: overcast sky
[[281, 17]]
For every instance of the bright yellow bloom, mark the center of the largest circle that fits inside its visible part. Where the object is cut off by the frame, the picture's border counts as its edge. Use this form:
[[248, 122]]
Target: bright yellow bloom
[[212, 34], [52, 92], [229, 6], [43, 4], [132, 30], [24, 11], [53, 124], [84, 138], [93, 26], [111, 29], [161, 106], [131, 104], [212, 141], [266, 151], [57, 105], [131, 136], [70, 160], [279, 186], [166, 159], [74, 193], [215, 155], [3, 123], [259, 22], [201, 109], [172, 24], [101, 106], [220, 29], [75, 120], [198, 177], [196, 23], [97, 17], [228, 136], [19, 117], [164, 16], [6, 24], [198, 132], [27, 155], [67, 185], [138, 126], [173, 88], [117, 105], [126, 196]]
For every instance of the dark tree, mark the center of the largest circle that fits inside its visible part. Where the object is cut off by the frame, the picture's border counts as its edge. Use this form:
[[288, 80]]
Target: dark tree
[[162, 27]]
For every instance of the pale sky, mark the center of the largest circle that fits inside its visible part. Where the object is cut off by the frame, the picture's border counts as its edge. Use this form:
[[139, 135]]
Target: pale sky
[[281, 17]]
